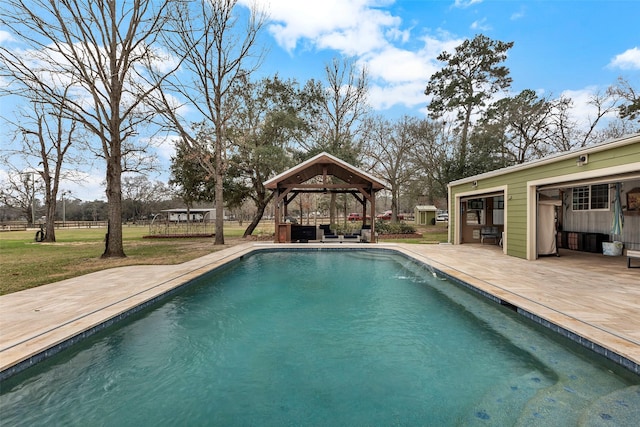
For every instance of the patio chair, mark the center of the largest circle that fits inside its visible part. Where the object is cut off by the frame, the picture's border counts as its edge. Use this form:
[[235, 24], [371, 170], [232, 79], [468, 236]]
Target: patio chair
[[327, 234], [489, 233], [351, 238], [331, 238]]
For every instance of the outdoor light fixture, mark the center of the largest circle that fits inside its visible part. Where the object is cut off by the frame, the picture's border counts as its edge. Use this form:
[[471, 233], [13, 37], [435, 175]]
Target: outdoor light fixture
[[582, 160]]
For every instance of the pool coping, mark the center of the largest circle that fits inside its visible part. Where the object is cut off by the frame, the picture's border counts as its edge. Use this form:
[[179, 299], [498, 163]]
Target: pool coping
[[73, 303]]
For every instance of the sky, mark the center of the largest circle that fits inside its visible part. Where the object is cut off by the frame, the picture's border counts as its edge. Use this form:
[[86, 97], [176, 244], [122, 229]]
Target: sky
[[561, 47]]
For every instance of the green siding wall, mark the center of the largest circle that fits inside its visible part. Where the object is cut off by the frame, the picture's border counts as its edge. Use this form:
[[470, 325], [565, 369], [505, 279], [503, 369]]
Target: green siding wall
[[516, 182]]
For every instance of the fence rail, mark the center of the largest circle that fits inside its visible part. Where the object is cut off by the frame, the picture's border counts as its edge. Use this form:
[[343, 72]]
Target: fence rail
[[23, 225], [81, 224], [13, 226]]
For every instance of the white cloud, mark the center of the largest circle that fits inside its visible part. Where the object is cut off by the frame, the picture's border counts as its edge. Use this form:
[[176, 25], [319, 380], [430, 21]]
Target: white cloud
[[481, 25], [5, 37], [361, 29], [409, 94], [400, 76], [517, 15], [627, 60], [395, 65], [465, 3], [352, 27]]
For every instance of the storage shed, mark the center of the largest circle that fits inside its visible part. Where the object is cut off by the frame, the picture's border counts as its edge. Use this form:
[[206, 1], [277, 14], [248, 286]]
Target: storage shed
[[425, 214]]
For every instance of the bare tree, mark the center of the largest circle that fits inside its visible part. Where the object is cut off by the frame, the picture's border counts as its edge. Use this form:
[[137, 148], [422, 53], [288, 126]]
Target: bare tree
[[220, 55], [630, 108], [434, 158], [18, 192], [567, 133], [103, 50], [389, 146], [343, 108], [46, 138], [141, 196]]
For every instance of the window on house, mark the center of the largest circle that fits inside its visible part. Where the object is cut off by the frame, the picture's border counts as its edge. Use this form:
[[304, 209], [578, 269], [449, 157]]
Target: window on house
[[600, 196], [591, 197], [581, 198]]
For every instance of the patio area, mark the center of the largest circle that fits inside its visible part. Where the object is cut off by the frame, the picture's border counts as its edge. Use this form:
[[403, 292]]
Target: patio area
[[590, 295]]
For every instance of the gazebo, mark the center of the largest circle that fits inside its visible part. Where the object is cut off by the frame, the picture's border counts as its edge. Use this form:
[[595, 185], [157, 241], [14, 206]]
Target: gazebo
[[322, 173]]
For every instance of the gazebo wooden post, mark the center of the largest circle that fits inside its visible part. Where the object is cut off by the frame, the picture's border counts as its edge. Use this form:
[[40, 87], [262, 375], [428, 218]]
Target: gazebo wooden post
[[370, 195], [364, 211], [373, 214], [285, 208], [276, 216], [281, 197]]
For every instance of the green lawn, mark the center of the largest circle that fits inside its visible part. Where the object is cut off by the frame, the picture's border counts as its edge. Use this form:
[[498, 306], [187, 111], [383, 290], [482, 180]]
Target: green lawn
[[26, 264]]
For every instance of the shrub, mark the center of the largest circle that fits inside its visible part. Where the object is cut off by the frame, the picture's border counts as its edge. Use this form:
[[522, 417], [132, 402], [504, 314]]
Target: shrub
[[386, 227]]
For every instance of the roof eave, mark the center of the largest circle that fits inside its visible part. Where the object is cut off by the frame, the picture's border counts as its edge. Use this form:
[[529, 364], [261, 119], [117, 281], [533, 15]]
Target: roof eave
[[557, 157]]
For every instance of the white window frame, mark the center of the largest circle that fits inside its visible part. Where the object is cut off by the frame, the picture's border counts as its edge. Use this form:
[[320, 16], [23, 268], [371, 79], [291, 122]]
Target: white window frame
[[590, 199]]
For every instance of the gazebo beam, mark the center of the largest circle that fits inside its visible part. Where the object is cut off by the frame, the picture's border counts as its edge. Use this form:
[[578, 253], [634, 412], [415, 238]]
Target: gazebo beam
[[345, 186]]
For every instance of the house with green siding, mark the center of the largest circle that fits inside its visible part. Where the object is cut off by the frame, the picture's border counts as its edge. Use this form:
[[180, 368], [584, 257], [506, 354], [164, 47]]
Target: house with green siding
[[585, 199]]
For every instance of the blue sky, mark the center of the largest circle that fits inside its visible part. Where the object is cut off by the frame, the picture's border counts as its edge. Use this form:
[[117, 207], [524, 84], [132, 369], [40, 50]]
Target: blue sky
[[561, 46], [569, 47]]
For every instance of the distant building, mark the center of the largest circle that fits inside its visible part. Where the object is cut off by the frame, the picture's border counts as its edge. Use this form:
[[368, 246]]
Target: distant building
[[193, 215]]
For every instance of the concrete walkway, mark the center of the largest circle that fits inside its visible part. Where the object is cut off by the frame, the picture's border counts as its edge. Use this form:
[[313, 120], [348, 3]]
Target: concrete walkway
[[590, 295]]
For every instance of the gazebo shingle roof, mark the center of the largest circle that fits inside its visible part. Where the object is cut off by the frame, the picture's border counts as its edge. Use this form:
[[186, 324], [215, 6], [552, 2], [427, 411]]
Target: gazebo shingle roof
[[325, 164]]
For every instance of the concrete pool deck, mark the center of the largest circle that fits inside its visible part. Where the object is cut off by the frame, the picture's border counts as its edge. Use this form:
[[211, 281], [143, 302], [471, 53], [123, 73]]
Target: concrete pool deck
[[589, 295]]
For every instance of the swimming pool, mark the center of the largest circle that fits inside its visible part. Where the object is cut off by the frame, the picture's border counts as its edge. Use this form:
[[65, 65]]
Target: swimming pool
[[323, 337]]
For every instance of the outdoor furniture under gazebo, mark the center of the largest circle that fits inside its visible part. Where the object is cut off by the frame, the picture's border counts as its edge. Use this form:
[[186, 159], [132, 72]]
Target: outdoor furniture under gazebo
[[322, 173]]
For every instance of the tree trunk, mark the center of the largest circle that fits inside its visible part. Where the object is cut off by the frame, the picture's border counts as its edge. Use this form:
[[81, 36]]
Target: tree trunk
[[394, 204], [261, 202], [113, 241], [462, 159], [219, 238], [50, 229], [254, 221], [219, 187]]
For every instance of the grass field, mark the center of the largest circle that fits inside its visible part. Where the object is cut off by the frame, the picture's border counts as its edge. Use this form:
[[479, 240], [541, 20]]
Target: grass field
[[26, 264]]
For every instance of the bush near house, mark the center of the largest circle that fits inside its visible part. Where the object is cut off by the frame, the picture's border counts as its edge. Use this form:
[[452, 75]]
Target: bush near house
[[385, 227]]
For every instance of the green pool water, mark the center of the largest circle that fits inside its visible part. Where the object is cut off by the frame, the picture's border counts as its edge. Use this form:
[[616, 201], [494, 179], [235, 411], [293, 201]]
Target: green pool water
[[327, 338]]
